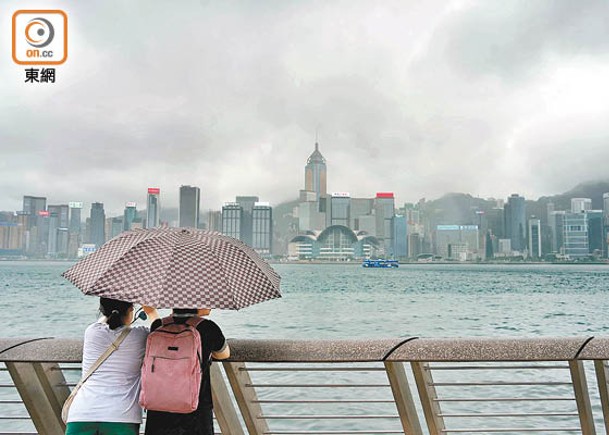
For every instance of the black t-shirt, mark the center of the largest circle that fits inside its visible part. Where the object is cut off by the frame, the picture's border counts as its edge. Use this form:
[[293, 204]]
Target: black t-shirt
[[212, 340]]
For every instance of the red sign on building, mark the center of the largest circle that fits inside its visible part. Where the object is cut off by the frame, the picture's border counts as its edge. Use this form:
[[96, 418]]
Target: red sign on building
[[384, 195], [154, 190]]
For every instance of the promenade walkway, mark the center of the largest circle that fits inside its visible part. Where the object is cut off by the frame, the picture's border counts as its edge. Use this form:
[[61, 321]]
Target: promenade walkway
[[390, 386]]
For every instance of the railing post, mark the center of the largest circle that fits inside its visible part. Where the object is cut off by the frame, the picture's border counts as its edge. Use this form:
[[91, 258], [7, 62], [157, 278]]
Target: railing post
[[245, 395], [602, 376], [403, 397], [43, 391], [428, 395], [582, 398], [223, 406]]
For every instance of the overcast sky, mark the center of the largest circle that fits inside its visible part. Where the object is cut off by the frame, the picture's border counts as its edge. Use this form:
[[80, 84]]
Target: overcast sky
[[417, 97]]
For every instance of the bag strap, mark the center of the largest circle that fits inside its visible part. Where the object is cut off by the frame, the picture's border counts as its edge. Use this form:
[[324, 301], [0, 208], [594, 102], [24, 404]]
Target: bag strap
[[103, 357]]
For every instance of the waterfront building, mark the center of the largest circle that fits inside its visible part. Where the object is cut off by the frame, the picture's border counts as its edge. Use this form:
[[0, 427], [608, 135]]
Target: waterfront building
[[189, 206], [595, 233], [458, 242], [534, 238], [75, 216], [63, 239], [579, 205], [340, 209], [309, 216], [12, 237], [153, 207], [116, 226], [316, 175], [515, 222], [247, 204], [335, 243], [62, 212], [414, 245], [504, 248], [232, 217], [556, 222], [262, 228], [40, 234], [575, 235], [214, 220], [606, 224], [31, 206], [129, 215], [97, 226], [360, 210], [384, 210], [399, 237], [495, 219]]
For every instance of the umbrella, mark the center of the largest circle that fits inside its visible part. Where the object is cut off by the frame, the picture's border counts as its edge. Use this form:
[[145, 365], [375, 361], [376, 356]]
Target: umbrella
[[176, 268]]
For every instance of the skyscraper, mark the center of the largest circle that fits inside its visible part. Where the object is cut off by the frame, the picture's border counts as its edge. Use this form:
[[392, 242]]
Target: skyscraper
[[75, 216], [31, 206], [315, 174], [98, 224], [189, 206], [247, 204], [153, 208], [606, 224], [262, 228], [129, 215], [231, 219], [340, 209], [384, 210], [535, 238], [515, 222]]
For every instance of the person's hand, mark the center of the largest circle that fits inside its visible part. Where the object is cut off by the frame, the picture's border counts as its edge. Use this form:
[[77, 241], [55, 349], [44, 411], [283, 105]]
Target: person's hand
[[151, 312]]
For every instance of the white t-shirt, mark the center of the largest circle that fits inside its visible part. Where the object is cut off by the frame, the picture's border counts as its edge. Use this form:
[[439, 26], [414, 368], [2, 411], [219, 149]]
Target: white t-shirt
[[111, 394]]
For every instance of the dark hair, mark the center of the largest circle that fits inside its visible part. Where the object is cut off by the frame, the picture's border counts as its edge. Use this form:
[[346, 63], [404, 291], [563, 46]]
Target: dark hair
[[185, 311], [114, 310]]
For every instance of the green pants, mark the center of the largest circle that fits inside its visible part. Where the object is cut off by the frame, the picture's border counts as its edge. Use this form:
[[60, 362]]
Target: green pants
[[96, 428]]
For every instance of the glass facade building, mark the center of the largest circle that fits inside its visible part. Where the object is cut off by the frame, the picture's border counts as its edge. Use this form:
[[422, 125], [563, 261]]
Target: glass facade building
[[98, 224], [189, 206], [262, 229], [153, 208], [535, 238], [340, 209], [232, 217], [575, 237], [515, 222]]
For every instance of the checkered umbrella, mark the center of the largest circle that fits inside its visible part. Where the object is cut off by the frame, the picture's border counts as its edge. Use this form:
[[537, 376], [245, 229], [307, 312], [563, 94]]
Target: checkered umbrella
[[176, 268]]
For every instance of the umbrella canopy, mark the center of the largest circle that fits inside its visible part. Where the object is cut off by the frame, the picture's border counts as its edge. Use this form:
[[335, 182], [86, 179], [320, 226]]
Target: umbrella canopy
[[176, 268]]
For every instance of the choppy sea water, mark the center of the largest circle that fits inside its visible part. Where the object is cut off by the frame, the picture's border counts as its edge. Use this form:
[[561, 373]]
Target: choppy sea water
[[336, 301]]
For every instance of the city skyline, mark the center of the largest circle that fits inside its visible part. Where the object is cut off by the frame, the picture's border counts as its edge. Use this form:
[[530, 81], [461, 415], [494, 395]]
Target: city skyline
[[421, 98]]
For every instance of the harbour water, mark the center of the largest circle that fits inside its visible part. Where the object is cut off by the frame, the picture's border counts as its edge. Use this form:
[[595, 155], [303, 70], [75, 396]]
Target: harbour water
[[345, 301]]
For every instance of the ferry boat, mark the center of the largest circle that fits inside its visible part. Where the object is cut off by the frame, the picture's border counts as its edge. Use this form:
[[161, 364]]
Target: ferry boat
[[386, 264]]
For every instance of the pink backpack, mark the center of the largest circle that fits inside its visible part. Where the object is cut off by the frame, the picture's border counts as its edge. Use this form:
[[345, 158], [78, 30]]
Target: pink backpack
[[172, 368]]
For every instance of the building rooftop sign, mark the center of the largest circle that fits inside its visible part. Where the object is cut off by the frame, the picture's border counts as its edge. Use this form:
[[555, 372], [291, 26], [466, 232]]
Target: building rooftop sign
[[384, 195], [154, 190], [341, 195]]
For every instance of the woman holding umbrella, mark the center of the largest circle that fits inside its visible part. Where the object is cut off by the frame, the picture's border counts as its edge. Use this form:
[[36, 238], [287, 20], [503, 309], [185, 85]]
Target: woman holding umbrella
[[108, 402]]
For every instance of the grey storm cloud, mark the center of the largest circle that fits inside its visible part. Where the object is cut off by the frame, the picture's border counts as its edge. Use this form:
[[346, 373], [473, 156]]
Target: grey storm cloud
[[419, 98]]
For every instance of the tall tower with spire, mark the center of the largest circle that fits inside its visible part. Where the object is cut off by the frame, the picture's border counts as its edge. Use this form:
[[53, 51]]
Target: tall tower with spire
[[315, 174]]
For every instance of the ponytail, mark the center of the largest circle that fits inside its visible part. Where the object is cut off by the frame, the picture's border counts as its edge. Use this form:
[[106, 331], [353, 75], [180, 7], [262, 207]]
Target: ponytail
[[114, 310]]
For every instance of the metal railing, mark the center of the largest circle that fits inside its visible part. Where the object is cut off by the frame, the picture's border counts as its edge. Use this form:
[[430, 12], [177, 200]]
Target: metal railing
[[391, 386]]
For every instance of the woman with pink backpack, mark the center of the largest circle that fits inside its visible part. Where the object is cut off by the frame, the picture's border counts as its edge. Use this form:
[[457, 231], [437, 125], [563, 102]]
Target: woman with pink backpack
[[176, 388]]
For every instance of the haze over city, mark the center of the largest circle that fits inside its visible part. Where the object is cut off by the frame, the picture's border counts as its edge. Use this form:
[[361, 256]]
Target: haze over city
[[418, 98]]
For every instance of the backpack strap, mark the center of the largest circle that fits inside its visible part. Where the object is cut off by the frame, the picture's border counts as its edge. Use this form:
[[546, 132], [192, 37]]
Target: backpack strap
[[194, 321], [167, 321]]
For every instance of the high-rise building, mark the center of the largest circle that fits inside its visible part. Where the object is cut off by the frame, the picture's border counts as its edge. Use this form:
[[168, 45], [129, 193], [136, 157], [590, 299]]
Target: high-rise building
[[384, 210], [579, 205], [556, 221], [31, 206], [595, 232], [232, 217], [129, 215], [214, 220], [515, 222], [315, 174], [75, 216], [153, 208], [606, 224], [340, 209], [262, 228], [535, 238], [575, 235], [97, 225], [247, 206], [189, 206], [459, 242], [399, 237]]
